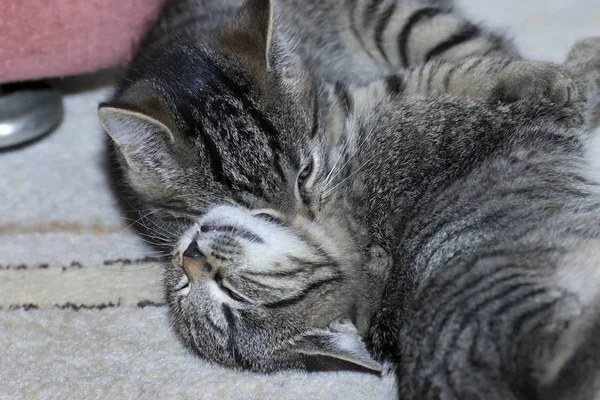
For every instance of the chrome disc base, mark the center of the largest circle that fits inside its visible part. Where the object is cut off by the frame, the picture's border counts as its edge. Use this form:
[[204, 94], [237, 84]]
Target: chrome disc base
[[28, 111]]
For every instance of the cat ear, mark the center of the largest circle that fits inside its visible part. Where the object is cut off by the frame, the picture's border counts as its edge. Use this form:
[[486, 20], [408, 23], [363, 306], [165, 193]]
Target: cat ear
[[341, 341], [249, 35], [140, 126]]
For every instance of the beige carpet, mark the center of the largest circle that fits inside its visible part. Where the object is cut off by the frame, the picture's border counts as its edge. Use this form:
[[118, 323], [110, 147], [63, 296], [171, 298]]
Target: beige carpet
[[81, 312]]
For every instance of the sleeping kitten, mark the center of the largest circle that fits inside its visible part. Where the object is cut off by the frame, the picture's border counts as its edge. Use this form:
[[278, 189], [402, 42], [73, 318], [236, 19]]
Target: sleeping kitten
[[234, 117], [492, 221], [217, 108]]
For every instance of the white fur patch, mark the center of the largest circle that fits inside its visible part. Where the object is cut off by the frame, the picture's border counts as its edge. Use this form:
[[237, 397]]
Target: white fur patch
[[278, 241], [593, 154]]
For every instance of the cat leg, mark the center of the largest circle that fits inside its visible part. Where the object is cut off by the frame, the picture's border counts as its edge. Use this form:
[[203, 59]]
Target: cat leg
[[404, 33], [583, 64], [575, 84], [487, 79], [569, 368], [506, 80], [580, 376]]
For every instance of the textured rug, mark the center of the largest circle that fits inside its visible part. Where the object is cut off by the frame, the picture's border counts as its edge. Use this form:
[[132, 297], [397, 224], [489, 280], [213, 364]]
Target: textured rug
[[81, 307]]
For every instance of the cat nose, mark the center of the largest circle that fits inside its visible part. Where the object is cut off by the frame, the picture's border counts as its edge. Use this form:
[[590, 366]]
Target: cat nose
[[195, 263]]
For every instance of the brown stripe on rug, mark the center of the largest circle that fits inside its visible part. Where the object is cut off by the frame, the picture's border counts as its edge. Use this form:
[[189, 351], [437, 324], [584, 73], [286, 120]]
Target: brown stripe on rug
[[121, 262], [94, 287], [62, 248], [57, 226]]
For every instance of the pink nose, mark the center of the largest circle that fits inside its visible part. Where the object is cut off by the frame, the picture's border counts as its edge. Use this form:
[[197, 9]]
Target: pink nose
[[195, 263]]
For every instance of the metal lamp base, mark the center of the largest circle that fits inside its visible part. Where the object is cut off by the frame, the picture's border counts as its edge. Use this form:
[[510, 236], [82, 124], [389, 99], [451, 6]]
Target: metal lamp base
[[28, 111]]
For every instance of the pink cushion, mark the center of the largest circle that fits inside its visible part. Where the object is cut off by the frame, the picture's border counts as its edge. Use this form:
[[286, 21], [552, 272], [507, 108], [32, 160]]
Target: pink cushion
[[52, 38]]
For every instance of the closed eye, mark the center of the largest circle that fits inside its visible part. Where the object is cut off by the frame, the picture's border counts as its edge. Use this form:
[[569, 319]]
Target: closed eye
[[269, 215], [183, 287], [304, 174], [229, 291]]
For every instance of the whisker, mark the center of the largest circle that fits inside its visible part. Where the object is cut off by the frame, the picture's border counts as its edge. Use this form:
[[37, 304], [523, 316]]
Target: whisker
[[342, 153], [358, 148], [157, 264], [349, 176]]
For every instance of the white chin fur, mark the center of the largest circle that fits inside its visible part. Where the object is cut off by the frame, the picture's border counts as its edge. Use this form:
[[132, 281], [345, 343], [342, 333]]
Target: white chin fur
[[278, 242]]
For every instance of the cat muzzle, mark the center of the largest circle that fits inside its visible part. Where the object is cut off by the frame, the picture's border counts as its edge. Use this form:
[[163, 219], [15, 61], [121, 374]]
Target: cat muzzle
[[195, 264]]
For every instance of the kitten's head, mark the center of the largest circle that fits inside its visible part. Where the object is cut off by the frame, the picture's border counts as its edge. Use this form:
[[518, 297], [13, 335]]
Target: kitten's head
[[231, 117], [221, 137], [254, 293]]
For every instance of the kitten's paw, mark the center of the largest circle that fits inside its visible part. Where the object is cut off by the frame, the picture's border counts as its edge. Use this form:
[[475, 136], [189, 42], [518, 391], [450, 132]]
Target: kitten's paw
[[585, 51], [532, 79], [556, 85], [583, 63]]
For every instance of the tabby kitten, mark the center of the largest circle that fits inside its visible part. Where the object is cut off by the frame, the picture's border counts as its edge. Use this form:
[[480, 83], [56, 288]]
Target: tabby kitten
[[491, 218], [226, 130], [277, 156]]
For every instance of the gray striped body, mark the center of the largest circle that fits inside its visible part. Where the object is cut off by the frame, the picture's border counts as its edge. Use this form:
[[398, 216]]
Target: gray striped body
[[357, 41], [492, 217]]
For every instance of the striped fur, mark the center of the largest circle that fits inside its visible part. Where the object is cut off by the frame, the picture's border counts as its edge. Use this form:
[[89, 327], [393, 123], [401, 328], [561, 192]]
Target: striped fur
[[492, 219], [234, 129], [360, 40], [269, 293], [217, 120]]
